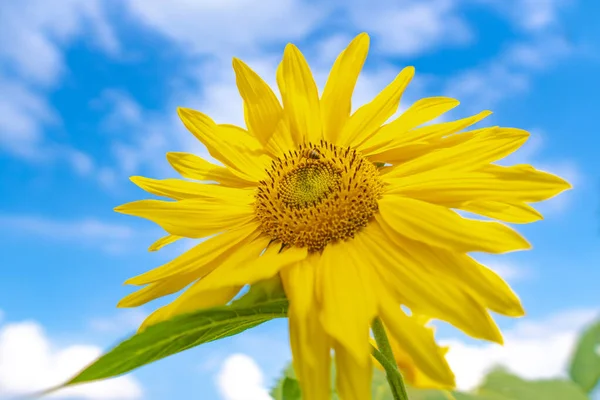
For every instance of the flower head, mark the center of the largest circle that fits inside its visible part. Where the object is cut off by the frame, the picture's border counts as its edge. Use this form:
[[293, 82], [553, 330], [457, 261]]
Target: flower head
[[357, 216]]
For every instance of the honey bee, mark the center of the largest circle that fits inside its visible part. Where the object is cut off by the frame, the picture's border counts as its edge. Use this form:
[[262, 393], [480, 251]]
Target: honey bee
[[314, 154]]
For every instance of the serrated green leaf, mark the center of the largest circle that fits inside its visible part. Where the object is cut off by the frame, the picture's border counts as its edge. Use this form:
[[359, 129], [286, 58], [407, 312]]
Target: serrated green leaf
[[176, 335], [585, 364], [291, 389], [502, 385]]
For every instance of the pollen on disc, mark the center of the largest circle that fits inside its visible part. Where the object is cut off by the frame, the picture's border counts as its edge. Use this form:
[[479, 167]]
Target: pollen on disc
[[316, 195]]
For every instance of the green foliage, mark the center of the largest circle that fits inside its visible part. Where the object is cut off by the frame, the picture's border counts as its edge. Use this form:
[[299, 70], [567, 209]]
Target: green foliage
[[501, 385], [182, 333], [498, 385], [288, 374], [585, 364]]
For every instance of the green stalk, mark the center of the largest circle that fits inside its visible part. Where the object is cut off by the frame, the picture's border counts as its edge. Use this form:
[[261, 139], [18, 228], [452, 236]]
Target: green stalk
[[385, 356]]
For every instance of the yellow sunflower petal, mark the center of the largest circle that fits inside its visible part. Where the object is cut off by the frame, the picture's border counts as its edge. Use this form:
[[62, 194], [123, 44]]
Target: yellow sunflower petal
[[423, 292], [202, 258], [192, 218], [231, 145], [300, 97], [440, 227], [353, 378], [245, 266], [369, 117], [309, 342], [420, 112], [492, 183], [417, 341], [163, 241], [544, 185], [348, 303], [336, 101], [281, 141], [178, 307], [193, 167], [488, 146], [178, 189], [513, 212], [262, 110], [464, 272], [158, 289], [200, 291], [255, 269]]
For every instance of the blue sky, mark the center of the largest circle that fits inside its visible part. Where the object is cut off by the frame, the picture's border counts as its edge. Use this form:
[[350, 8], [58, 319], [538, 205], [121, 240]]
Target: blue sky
[[88, 91]]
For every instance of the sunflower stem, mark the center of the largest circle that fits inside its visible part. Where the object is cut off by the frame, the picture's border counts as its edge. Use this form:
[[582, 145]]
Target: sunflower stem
[[384, 350]]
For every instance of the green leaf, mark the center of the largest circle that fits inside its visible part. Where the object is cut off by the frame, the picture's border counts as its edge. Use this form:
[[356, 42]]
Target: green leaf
[[269, 289], [291, 389], [501, 385], [277, 390], [585, 364], [176, 335]]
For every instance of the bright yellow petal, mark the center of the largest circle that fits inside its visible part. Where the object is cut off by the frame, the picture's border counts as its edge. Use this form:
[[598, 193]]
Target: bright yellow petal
[[543, 185], [300, 97], [353, 378], [417, 341], [178, 189], [262, 110], [281, 141], [203, 258], [192, 218], [488, 146], [441, 227], [336, 101], [513, 212], [493, 183], [423, 292], [163, 241], [231, 145], [158, 289], [309, 342], [193, 167], [420, 112], [369, 118], [254, 269], [200, 292], [348, 301], [214, 298], [462, 271]]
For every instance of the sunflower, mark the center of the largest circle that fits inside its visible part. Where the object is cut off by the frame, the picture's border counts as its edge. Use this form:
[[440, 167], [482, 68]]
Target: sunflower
[[355, 214]]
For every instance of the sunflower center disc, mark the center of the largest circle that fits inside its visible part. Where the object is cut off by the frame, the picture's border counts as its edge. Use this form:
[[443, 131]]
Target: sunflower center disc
[[317, 194]]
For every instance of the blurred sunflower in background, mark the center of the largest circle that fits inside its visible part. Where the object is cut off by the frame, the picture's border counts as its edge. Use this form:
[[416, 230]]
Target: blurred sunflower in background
[[356, 215]]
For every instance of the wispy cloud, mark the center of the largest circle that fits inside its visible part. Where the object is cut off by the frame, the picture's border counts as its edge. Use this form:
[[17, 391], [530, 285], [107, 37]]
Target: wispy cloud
[[525, 351], [125, 321], [88, 232], [32, 62], [30, 362]]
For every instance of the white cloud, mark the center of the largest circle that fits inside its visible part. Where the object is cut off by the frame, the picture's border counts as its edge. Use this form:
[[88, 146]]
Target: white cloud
[[526, 349], [509, 271], [29, 362], [530, 15], [411, 28], [123, 322], [32, 61], [37, 29], [230, 27], [109, 237], [22, 111], [509, 73], [240, 378]]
